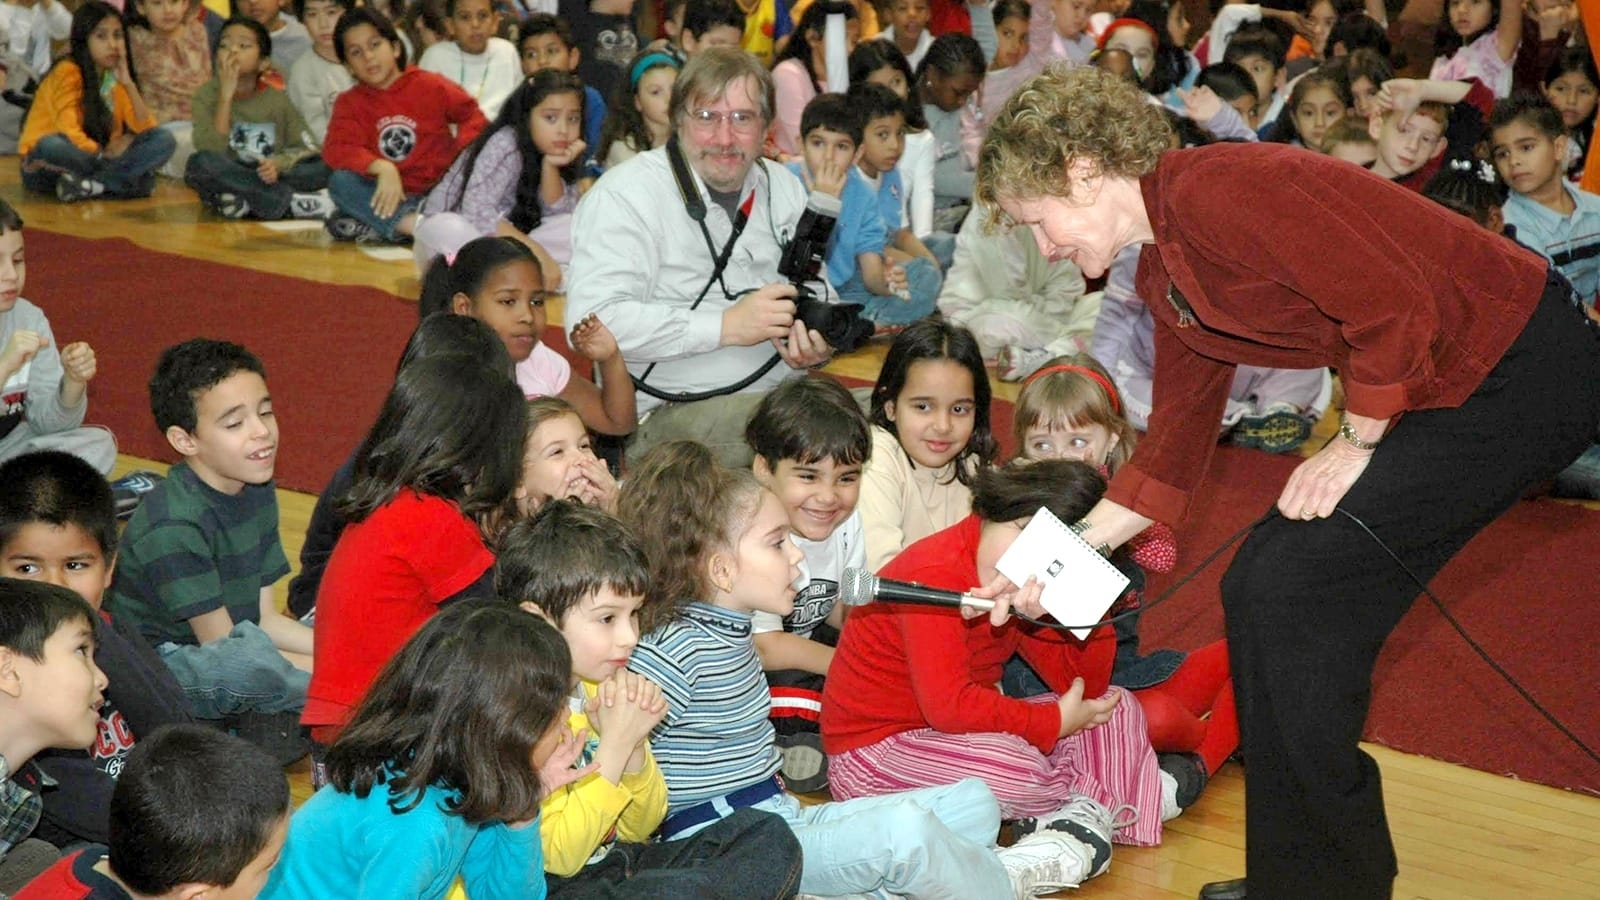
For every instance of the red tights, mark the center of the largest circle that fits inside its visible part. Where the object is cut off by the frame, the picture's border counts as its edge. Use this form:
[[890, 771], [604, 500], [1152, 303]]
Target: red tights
[[1192, 712]]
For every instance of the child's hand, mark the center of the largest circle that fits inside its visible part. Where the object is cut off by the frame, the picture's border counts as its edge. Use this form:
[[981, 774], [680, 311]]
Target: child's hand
[[596, 488], [630, 706], [828, 178], [557, 771], [894, 275], [1078, 713], [1553, 18], [563, 158], [268, 171], [1402, 95], [390, 193], [594, 340], [1201, 104], [121, 72], [21, 348], [227, 73], [77, 361], [116, 146]]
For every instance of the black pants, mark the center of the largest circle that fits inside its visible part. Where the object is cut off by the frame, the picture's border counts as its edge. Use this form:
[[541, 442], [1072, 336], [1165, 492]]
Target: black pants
[[1309, 604], [750, 855]]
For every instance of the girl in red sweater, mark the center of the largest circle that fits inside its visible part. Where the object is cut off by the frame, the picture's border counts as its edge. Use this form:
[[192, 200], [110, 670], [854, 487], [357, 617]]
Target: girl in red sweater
[[392, 136], [912, 697]]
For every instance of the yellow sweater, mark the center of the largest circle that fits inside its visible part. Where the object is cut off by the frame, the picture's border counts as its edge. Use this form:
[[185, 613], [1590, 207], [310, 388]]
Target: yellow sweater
[[58, 109]]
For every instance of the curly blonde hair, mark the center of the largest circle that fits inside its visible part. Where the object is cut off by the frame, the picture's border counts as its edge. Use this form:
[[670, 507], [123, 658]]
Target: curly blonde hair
[[1064, 116]]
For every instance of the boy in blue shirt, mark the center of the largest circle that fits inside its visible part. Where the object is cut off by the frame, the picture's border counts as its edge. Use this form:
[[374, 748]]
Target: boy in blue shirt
[[831, 129]]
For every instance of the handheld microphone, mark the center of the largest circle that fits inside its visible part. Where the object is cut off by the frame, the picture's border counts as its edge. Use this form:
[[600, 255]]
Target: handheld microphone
[[860, 587]]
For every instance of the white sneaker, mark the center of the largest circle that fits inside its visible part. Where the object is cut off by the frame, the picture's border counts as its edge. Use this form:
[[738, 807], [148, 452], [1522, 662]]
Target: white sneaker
[[1046, 862], [1015, 362], [313, 205], [1086, 820]]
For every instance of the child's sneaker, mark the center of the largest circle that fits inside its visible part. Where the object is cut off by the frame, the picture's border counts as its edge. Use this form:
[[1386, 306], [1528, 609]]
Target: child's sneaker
[[129, 490], [805, 766], [72, 188], [1014, 362], [314, 205], [350, 228], [232, 206], [1046, 862], [1187, 774], [1277, 429], [1084, 819]]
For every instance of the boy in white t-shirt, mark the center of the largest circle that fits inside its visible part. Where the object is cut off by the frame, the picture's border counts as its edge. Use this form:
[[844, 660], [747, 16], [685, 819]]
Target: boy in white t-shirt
[[318, 77], [486, 66], [810, 441]]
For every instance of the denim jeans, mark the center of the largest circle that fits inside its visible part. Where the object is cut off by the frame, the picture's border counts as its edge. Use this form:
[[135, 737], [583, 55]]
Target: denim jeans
[[930, 842], [133, 174], [924, 280], [241, 673], [750, 855], [213, 174], [352, 193]]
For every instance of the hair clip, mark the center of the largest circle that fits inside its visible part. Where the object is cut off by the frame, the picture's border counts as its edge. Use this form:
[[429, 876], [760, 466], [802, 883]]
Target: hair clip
[[1477, 167], [449, 258]]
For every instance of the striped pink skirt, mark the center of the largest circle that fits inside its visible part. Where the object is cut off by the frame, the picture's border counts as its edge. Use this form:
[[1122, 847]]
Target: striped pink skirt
[[1111, 763]]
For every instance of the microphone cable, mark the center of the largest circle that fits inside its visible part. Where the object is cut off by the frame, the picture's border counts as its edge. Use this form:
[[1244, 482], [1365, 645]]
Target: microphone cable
[[1437, 603]]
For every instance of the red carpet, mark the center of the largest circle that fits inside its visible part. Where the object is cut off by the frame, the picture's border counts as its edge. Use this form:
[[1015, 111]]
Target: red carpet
[[329, 351], [1524, 588]]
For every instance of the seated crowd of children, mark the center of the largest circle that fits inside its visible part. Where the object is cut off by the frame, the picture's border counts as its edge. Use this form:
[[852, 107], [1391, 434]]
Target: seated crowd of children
[[516, 675]]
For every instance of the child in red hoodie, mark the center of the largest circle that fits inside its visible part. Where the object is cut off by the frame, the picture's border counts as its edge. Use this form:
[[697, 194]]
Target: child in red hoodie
[[389, 137]]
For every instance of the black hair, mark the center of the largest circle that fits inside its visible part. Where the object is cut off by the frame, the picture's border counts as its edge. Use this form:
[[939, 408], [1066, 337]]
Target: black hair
[[807, 420], [187, 370], [835, 112], [815, 19], [193, 805], [1189, 132], [460, 707], [874, 101], [32, 611], [1358, 31], [262, 36], [525, 214], [952, 54], [10, 219], [565, 553], [450, 8], [299, 7], [623, 120], [1012, 9], [1532, 110], [451, 427], [700, 16], [1463, 186], [96, 112], [1066, 487], [870, 56], [1367, 63], [474, 263], [366, 15], [1256, 40], [1170, 67], [544, 23], [57, 489], [1445, 40], [938, 339], [445, 334], [420, 14], [1228, 80]]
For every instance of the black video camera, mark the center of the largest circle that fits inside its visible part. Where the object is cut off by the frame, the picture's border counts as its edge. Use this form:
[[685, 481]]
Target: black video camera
[[840, 324]]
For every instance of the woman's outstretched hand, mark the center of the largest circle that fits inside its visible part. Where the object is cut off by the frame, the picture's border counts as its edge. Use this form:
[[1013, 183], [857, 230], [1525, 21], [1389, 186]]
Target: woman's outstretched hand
[[1317, 485]]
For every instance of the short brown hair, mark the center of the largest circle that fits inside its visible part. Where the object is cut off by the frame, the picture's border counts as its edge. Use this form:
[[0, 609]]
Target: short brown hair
[[1065, 116], [706, 77], [1439, 112]]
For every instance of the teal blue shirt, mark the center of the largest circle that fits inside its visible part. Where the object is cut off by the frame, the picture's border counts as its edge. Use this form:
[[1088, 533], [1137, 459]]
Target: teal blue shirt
[[357, 848]]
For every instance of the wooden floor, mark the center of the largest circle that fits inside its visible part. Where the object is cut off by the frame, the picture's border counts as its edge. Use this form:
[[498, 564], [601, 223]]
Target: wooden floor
[[1460, 833]]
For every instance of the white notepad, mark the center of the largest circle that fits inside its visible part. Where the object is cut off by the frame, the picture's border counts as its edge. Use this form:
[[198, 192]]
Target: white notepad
[[1079, 583]]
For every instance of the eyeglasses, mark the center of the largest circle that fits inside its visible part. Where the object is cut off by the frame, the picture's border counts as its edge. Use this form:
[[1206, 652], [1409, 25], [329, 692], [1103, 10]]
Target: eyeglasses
[[744, 120]]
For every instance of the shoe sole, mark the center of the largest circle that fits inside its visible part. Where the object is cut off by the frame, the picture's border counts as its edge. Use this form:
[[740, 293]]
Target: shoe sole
[[1277, 433], [804, 769]]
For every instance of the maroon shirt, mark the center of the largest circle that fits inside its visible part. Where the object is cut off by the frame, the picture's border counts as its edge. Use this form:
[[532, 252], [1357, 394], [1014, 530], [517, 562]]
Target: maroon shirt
[[1287, 259]]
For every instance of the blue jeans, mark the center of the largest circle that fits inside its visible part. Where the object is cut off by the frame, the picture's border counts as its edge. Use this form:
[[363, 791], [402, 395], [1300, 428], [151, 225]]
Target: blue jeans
[[942, 244], [1582, 478], [133, 174], [213, 174], [924, 280], [930, 842], [750, 855], [352, 193], [241, 673]]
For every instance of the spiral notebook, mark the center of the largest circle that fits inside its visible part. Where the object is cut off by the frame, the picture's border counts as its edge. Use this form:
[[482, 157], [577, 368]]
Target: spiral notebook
[[1079, 583]]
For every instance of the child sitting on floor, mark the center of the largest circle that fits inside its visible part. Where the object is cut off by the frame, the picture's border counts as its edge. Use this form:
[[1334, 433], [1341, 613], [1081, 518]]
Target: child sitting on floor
[[252, 156], [318, 77], [719, 551], [580, 569], [197, 813], [484, 65], [89, 133], [172, 58], [44, 387]]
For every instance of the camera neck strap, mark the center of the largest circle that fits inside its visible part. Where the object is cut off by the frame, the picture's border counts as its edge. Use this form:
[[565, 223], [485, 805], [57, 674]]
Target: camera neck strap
[[695, 206]]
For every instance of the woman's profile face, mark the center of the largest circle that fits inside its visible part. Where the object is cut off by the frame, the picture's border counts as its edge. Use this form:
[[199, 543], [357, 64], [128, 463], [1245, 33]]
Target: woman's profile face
[[1089, 228]]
